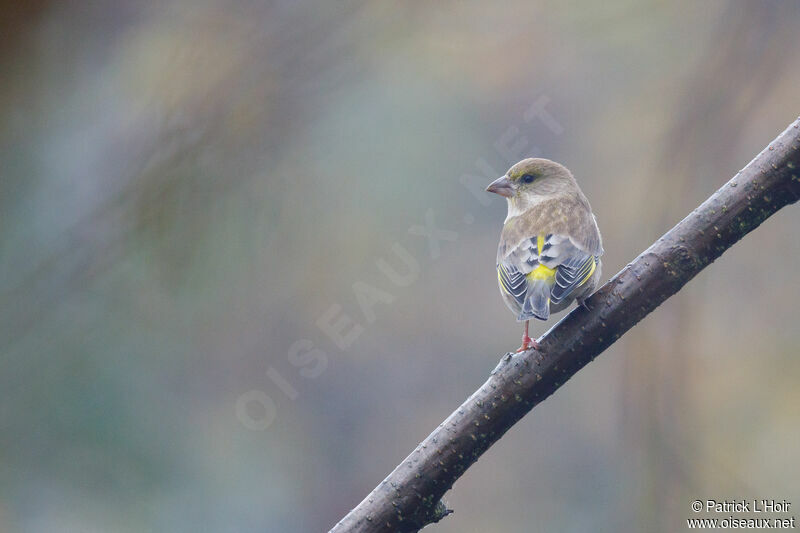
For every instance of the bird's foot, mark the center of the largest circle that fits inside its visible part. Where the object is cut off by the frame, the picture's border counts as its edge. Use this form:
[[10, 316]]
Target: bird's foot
[[527, 344], [582, 303]]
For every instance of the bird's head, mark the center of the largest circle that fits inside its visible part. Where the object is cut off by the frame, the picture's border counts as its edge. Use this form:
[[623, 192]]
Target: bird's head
[[532, 178]]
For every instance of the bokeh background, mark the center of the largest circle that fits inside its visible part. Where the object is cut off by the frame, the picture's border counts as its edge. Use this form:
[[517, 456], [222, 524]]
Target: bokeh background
[[189, 187]]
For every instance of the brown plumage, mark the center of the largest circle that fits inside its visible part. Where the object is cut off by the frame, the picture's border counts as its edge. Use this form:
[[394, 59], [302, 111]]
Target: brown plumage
[[550, 246]]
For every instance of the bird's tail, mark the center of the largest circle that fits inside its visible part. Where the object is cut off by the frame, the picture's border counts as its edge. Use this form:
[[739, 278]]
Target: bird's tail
[[537, 301]]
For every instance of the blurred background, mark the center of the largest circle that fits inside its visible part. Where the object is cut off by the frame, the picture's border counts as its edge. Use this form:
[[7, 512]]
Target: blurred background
[[219, 310]]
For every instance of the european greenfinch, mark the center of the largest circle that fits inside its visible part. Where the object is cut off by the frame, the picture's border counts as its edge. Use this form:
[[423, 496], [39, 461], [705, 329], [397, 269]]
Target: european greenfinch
[[550, 246]]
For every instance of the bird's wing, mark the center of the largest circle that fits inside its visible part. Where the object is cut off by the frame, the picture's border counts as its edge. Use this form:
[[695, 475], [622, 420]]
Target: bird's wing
[[512, 281], [574, 268], [525, 278], [544, 269]]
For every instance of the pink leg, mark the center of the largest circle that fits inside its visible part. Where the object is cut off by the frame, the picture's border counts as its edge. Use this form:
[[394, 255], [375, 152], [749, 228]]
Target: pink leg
[[527, 342]]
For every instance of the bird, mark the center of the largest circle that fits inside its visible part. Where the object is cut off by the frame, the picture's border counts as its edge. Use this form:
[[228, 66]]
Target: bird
[[550, 245]]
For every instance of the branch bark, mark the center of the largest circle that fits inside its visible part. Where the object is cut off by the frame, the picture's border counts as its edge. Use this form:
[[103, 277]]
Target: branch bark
[[410, 497]]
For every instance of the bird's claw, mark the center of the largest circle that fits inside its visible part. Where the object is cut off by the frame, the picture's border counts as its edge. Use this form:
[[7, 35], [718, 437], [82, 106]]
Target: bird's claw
[[527, 344]]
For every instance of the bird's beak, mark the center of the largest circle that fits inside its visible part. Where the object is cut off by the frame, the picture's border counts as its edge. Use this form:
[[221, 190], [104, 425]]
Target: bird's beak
[[501, 186]]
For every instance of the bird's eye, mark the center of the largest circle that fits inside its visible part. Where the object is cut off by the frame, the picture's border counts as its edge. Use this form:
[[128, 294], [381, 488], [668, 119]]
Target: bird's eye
[[527, 178]]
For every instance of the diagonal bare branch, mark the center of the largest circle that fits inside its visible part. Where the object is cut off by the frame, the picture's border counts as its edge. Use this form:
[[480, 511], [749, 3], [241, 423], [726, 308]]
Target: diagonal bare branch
[[410, 497]]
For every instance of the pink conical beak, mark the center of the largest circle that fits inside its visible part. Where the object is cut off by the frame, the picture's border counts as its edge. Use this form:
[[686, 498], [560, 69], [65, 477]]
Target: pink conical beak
[[501, 186]]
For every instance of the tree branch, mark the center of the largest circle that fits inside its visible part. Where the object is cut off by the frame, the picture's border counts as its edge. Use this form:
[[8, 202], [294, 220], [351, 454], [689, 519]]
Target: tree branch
[[409, 498]]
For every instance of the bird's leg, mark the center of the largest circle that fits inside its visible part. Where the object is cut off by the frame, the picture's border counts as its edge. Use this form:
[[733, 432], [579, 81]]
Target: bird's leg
[[527, 342], [582, 303]]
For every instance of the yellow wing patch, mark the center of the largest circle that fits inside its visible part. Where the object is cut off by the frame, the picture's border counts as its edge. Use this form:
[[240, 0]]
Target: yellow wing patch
[[589, 275], [541, 272], [501, 280]]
